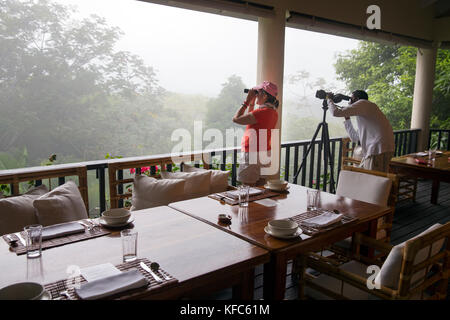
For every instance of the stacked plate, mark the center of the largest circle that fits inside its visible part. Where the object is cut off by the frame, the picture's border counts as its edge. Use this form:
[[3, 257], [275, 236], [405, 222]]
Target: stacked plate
[[118, 217], [277, 185], [283, 229]]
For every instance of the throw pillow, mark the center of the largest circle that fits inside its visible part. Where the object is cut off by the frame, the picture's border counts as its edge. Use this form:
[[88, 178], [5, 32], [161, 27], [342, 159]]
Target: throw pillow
[[198, 184], [219, 179], [62, 204]]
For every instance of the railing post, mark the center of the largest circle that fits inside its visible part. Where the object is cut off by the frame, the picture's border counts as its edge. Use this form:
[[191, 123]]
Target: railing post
[[234, 168]]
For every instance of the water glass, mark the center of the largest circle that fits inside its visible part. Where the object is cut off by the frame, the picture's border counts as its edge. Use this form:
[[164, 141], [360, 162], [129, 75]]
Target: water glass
[[431, 155], [33, 235], [243, 195], [313, 196], [129, 245]]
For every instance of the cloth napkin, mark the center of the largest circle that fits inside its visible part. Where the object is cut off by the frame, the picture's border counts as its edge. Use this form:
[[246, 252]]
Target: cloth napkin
[[62, 229], [111, 285], [421, 154], [252, 192], [324, 220]]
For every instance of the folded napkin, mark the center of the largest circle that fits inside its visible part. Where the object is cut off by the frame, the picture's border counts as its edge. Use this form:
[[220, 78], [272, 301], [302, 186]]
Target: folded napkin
[[109, 286], [421, 154], [62, 229], [235, 194], [324, 220]]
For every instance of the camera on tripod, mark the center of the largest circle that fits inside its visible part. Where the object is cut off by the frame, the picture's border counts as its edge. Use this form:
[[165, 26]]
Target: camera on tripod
[[321, 94]]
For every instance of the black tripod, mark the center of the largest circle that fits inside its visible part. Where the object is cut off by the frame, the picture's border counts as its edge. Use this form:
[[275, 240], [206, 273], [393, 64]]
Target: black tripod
[[325, 142]]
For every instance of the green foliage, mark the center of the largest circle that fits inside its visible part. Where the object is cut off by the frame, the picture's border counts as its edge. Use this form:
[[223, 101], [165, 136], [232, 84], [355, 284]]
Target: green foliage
[[220, 111], [387, 73]]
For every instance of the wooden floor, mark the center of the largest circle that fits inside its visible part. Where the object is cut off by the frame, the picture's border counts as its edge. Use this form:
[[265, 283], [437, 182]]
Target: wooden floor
[[410, 219]]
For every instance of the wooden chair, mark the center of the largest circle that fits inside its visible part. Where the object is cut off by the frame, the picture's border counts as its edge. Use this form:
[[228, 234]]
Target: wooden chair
[[116, 167], [14, 177], [416, 269], [407, 186]]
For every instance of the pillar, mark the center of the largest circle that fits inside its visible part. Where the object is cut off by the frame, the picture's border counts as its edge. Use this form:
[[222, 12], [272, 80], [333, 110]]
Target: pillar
[[423, 94], [270, 63]]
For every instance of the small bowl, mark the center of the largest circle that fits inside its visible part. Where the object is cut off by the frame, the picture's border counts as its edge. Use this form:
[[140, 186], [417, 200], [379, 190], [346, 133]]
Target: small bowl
[[283, 227], [116, 216], [277, 184], [22, 291]]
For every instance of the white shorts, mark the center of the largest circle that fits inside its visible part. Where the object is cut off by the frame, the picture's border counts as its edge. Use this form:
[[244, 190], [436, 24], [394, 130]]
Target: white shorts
[[250, 165]]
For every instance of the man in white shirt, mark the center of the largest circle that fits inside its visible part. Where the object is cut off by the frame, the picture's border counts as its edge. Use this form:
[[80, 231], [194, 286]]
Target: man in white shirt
[[374, 130]]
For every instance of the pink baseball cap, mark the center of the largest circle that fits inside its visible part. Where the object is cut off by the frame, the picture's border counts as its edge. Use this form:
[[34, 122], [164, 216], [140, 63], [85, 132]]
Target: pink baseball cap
[[269, 87]]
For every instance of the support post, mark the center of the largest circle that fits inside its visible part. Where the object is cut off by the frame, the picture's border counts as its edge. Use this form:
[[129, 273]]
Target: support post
[[271, 36], [423, 94]]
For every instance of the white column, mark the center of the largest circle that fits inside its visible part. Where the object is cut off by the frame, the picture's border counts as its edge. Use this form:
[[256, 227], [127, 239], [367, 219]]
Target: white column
[[423, 94], [270, 65]]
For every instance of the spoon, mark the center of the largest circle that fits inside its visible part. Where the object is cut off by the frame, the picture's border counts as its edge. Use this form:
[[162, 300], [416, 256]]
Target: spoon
[[155, 267]]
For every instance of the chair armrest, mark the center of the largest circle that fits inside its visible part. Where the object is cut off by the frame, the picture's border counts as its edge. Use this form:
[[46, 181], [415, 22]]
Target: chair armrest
[[320, 264]]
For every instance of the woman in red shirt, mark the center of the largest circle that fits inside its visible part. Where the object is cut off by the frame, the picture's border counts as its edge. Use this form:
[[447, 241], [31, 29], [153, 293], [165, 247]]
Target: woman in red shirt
[[256, 142]]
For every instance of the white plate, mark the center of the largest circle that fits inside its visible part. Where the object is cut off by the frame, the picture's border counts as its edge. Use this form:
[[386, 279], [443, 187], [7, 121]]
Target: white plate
[[292, 236], [276, 189], [104, 223]]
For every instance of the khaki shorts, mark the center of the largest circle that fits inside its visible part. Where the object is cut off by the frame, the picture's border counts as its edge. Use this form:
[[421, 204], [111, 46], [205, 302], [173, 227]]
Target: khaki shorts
[[250, 165], [377, 162]]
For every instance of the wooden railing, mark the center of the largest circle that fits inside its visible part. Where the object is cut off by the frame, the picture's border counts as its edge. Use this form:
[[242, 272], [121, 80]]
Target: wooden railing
[[313, 174], [439, 138]]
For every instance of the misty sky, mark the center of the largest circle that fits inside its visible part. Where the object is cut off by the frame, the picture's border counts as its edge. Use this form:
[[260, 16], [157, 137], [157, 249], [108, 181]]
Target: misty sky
[[194, 52]]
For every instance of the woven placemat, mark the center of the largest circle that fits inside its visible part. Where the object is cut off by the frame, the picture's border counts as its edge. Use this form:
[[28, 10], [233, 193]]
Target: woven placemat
[[55, 288], [95, 232], [265, 194], [314, 213]]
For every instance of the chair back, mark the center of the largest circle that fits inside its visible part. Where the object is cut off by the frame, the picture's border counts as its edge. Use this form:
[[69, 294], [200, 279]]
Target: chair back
[[422, 255], [349, 156]]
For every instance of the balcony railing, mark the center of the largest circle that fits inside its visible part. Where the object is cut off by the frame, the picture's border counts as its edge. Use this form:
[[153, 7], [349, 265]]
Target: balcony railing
[[314, 173]]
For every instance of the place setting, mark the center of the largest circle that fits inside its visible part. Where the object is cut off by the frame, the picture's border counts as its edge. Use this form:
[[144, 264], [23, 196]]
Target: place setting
[[243, 195], [135, 276], [116, 218], [283, 229]]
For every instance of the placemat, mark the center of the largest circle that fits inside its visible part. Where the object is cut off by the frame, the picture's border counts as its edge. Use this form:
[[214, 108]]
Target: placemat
[[265, 194], [314, 213], [67, 285], [96, 231]]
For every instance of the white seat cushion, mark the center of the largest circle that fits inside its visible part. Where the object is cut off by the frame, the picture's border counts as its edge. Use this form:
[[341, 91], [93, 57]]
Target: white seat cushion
[[150, 192], [62, 204], [390, 271], [219, 179], [18, 212], [198, 184], [364, 187], [335, 285]]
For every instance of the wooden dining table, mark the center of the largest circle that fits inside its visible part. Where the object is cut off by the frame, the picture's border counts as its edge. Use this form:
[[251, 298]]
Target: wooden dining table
[[202, 258], [248, 224], [437, 170]]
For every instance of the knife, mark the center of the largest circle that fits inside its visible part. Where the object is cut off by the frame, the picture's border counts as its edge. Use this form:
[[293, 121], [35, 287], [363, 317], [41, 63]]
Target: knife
[[22, 240], [146, 268]]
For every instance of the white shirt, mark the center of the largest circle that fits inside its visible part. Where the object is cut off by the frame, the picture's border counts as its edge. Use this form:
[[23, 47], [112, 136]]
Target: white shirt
[[374, 130]]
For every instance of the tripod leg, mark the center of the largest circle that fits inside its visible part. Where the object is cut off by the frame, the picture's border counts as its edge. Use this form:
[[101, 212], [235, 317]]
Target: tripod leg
[[307, 152], [330, 158]]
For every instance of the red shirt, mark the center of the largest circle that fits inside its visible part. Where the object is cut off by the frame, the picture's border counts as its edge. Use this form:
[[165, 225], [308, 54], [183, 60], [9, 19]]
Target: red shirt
[[266, 118]]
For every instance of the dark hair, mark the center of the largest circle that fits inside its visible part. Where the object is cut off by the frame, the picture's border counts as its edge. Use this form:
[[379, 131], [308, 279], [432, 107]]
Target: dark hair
[[360, 94], [271, 99]]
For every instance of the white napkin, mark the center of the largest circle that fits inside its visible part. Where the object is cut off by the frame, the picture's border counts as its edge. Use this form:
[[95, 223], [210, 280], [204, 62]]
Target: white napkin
[[108, 286], [267, 202], [324, 220], [62, 229], [252, 192], [421, 154]]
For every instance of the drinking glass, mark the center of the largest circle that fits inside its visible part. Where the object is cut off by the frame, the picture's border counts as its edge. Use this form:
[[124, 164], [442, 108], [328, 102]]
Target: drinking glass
[[312, 199], [243, 195], [129, 245], [432, 154], [33, 236]]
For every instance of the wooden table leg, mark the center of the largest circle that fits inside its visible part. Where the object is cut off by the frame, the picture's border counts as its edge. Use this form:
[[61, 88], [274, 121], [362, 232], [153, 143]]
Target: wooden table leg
[[246, 287], [275, 278], [435, 191]]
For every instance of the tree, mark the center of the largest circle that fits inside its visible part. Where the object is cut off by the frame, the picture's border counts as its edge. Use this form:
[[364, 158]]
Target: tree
[[220, 110], [65, 89], [387, 73]]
